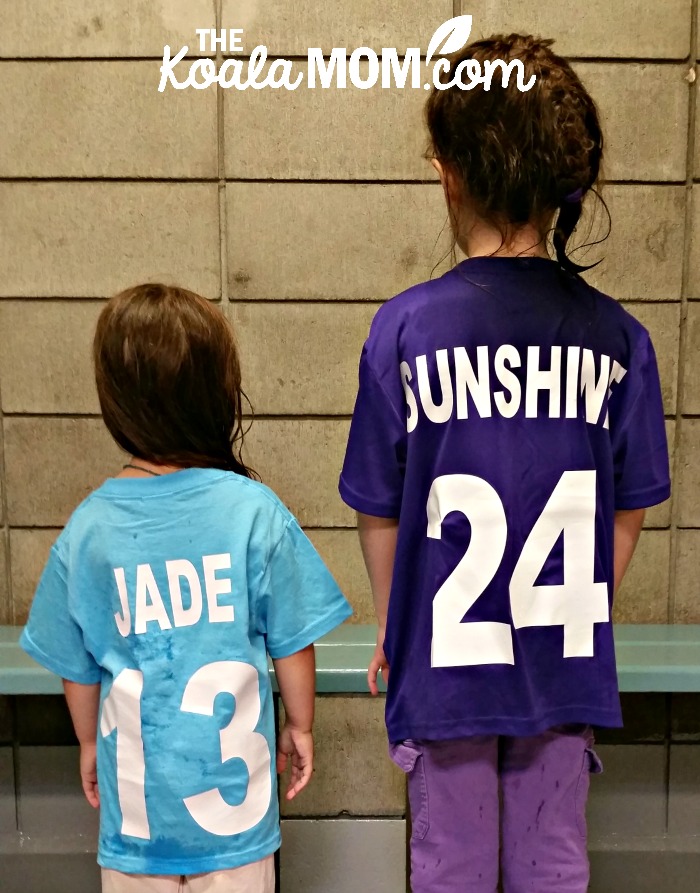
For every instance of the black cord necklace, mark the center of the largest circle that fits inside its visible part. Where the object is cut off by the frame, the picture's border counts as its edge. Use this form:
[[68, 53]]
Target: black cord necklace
[[156, 474]]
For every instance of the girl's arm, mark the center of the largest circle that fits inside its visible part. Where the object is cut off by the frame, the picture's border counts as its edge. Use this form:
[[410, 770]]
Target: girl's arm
[[84, 705], [378, 541], [296, 679], [628, 526]]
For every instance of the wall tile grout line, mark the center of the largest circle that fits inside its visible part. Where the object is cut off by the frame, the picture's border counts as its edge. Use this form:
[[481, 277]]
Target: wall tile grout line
[[293, 181], [305, 302], [221, 163], [683, 338], [300, 57]]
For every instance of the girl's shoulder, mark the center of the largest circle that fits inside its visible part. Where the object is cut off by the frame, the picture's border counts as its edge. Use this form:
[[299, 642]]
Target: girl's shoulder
[[416, 297], [611, 315], [256, 492], [406, 309]]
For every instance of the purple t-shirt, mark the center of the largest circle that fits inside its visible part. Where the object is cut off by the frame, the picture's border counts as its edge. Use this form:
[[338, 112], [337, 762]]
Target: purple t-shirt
[[505, 412]]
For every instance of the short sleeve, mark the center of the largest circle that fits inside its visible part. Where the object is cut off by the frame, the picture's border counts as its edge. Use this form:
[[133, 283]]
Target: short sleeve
[[372, 478], [638, 434], [299, 601], [51, 636]]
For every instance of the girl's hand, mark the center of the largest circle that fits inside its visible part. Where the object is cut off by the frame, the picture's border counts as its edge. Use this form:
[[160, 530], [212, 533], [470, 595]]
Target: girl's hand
[[88, 773], [300, 747], [377, 664]]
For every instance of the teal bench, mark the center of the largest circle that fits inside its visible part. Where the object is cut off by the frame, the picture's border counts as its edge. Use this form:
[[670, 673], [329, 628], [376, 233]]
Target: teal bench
[[650, 658]]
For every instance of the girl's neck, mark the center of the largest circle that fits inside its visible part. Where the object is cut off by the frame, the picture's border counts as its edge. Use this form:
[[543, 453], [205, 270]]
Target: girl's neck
[[142, 468], [484, 240]]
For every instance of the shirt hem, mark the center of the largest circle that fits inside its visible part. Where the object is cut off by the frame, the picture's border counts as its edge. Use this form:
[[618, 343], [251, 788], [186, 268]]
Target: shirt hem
[[55, 666], [643, 499], [506, 725], [366, 506], [313, 632], [137, 865]]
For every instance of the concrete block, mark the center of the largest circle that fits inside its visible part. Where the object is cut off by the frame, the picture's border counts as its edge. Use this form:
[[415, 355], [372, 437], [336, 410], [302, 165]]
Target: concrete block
[[629, 798], [696, 160], [691, 369], [662, 321], [95, 28], [333, 241], [53, 464], [85, 113], [685, 717], [93, 239], [694, 273], [644, 109], [340, 549], [326, 134], [281, 134], [644, 594], [689, 475], [301, 358], [350, 257], [684, 790], [622, 29], [44, 720], [687, 600], [290, 31], [46, 356], [5, 598], [29, 552], [353, 774], [643, 255], [343, 855], [50, 797], [301, 461]]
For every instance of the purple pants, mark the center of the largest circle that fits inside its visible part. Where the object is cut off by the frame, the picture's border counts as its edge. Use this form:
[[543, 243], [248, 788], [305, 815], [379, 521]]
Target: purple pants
[[481, 803]]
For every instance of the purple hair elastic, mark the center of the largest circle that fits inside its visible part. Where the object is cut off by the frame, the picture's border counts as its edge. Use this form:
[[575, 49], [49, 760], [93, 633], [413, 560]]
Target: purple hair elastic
[[573, 197]]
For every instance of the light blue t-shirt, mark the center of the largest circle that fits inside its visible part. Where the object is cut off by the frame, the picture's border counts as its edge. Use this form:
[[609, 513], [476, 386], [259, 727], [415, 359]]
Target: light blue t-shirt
[[171, 591]]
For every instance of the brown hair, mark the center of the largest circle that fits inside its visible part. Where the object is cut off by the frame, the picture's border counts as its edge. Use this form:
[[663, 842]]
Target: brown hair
[[169, 379], [520, 156]]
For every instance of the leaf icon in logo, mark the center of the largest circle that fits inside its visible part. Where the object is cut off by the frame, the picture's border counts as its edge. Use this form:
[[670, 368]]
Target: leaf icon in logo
[[449, 37]]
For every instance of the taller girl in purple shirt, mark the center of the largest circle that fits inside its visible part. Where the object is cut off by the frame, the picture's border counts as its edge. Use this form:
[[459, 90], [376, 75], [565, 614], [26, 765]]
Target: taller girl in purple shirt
[[507, 437]]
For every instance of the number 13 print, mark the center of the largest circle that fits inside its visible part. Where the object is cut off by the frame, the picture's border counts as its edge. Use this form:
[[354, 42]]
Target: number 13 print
[[576, 605], [121, 710]]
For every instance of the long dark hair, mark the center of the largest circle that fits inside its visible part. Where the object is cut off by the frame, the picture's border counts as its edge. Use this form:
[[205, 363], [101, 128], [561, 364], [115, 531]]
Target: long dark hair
[[169, 379], [520, 156]]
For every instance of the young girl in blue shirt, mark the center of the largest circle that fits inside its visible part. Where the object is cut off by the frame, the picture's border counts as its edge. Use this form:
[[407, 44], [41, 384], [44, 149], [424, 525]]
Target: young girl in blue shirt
[[160, 603]]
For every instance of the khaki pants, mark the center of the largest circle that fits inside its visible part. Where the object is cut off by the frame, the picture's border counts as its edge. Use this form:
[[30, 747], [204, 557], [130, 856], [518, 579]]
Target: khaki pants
[[258, 877]]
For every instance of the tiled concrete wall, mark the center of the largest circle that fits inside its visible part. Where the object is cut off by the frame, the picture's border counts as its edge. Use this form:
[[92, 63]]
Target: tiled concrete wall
[[298, 213]]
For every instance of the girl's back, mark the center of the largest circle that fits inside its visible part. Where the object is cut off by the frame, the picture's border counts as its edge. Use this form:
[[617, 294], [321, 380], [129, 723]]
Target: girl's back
[[206, 570], [507, 436], [510, 392]]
